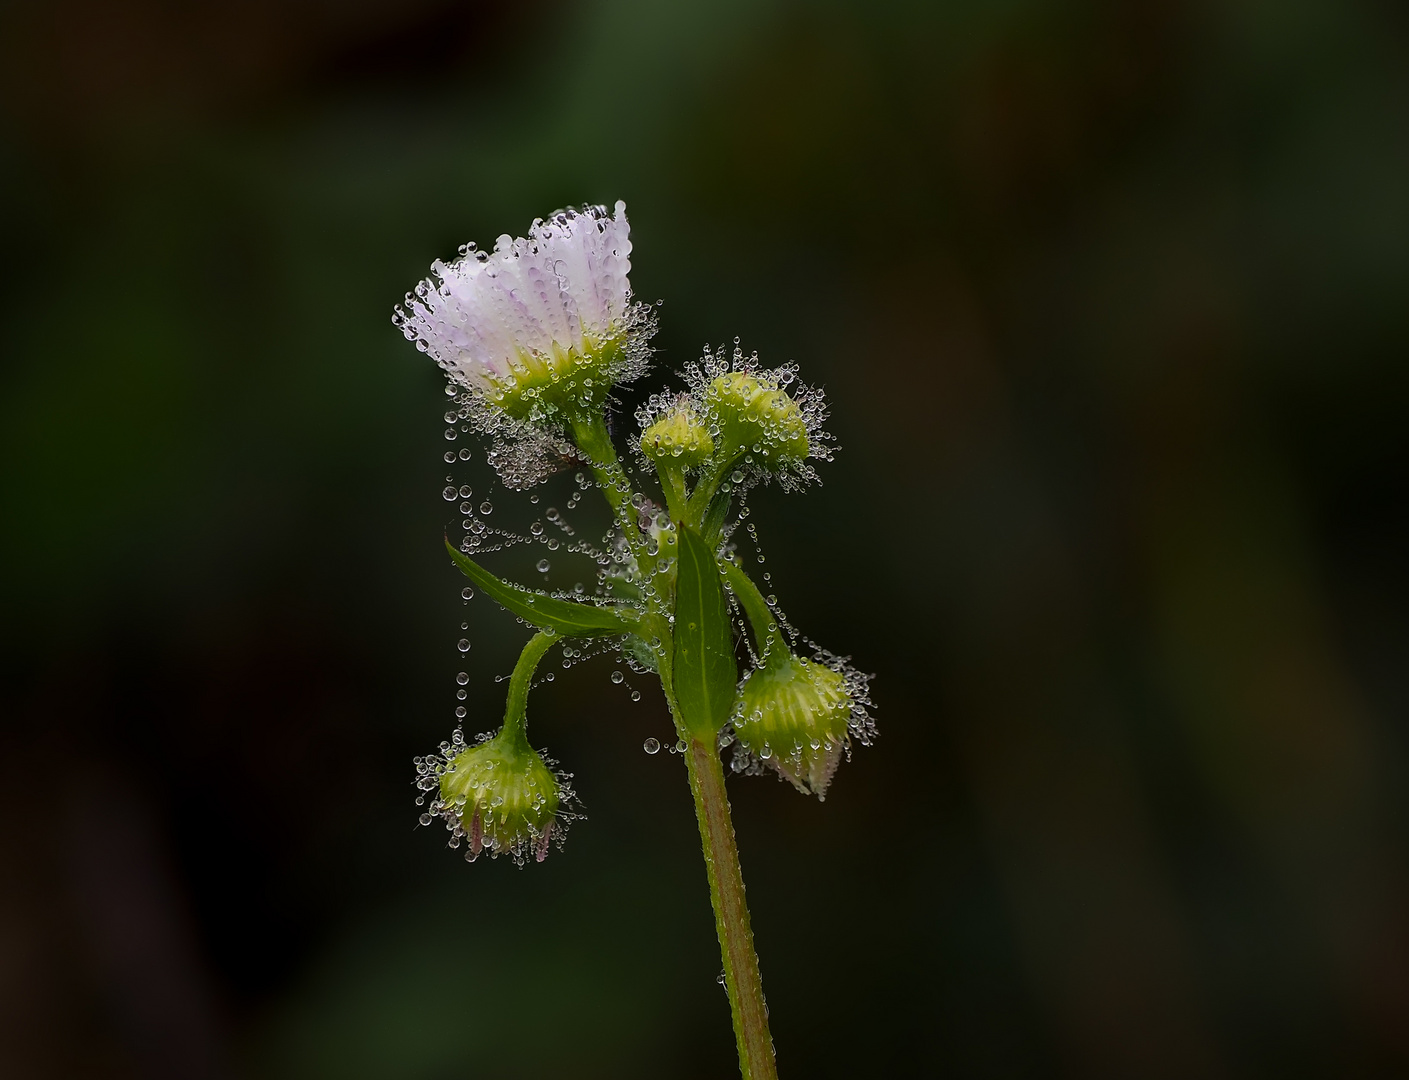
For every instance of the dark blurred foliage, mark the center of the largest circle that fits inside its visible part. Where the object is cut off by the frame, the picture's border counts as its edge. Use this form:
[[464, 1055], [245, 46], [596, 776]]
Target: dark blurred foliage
[[1110, 299]]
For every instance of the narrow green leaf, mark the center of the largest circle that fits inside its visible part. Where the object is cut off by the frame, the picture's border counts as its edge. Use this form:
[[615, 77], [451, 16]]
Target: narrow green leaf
[[567, 617], [705, 672]]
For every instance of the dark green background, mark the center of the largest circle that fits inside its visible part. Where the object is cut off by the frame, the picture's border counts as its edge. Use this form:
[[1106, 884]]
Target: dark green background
[[1110, 300]]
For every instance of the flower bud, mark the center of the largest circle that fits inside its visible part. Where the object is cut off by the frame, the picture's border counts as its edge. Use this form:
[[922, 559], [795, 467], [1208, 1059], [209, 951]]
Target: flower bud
[[679, 436], [758, 416], [794, 715], [503, 797]]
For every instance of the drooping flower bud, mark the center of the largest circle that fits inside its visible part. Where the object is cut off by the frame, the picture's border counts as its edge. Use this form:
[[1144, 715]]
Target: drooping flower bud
[[759, 416], [500, 796], [678, 436], [794, 715]]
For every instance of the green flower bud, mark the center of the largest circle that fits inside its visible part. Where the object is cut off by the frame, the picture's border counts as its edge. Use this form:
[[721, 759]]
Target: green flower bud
[[503, 796], [679, 436], [794, 715], [758, 416]]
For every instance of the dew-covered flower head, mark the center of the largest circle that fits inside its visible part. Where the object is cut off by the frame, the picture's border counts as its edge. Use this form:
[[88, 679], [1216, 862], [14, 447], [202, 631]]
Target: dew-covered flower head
[[543, 326], [673, 431], [760, 418], [499, 796], [799, 717]]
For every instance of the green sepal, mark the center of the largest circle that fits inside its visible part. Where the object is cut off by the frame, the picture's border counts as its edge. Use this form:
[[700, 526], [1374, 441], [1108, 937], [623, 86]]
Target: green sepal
[[566, 617], [706, 676]]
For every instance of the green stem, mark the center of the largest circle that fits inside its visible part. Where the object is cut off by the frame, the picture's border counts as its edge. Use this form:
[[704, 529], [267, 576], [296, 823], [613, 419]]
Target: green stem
[[516, 709], [595, 441], [672, 482], [768, 638], [726, 881], [709, 482], [731, 912]]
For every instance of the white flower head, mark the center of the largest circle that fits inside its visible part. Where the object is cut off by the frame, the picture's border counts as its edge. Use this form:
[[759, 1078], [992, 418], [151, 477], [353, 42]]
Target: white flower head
[[536, 333]]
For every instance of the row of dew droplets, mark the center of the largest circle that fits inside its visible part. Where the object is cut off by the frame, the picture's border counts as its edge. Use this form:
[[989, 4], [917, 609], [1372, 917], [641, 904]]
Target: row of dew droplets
[[555, 532]]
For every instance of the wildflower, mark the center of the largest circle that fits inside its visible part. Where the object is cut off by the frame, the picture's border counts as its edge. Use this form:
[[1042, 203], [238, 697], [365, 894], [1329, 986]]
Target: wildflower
[[502, 796], [795, 715], [756, 414], [540, 329], [679, 436], [762, 419]]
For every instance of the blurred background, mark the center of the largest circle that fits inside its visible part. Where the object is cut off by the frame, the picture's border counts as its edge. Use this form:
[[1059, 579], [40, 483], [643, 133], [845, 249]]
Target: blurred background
[[1110, 300]]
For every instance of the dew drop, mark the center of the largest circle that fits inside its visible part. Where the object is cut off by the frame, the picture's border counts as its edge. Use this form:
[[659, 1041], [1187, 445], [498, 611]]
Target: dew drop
[[543, 566], [462, 678], [486, 507], [449, 494], [467, 593], [464, 644], [618, 677], [681, 747], [651, 746], [635, 695]]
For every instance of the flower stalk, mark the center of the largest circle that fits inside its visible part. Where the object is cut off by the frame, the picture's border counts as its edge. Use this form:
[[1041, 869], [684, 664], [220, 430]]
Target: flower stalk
[[533, 338], [731, 912]]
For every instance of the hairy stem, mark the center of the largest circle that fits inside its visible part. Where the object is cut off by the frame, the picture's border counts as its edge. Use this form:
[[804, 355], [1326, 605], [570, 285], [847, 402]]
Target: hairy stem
[[731, 912], [672, 483], [516, 708], [721, 853], [708, 483], [768, 638], [595, 441]]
